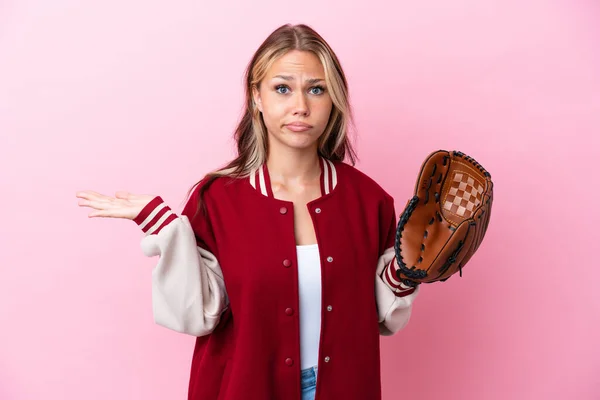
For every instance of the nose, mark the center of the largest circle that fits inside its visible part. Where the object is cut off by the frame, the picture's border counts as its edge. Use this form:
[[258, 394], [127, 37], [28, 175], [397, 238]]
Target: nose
[[301, 105]]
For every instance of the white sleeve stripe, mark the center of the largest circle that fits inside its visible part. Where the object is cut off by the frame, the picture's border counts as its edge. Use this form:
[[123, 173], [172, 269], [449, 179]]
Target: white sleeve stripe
[[152, 215], [159, 222]]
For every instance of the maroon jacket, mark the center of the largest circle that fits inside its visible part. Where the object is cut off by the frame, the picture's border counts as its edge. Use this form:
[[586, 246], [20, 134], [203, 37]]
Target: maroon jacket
[[230, 279]]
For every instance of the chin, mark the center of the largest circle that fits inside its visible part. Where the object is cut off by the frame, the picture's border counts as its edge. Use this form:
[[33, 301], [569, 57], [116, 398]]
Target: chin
[[299, 141], [300, 144]]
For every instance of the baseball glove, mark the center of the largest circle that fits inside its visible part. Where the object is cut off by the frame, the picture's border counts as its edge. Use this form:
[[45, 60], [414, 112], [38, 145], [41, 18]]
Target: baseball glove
[[444, 223]]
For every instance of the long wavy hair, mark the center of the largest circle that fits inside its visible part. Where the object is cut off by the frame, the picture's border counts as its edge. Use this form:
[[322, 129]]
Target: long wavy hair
[[251, 132]]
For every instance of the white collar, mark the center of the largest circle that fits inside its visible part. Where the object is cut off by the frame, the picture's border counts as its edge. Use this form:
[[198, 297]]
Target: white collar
[[259, 178]]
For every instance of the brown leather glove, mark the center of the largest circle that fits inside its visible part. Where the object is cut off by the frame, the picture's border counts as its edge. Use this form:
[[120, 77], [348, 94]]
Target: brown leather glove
[[445, 222]]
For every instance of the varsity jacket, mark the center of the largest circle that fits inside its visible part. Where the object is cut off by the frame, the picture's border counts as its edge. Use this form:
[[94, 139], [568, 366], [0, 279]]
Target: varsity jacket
[[230, 279]]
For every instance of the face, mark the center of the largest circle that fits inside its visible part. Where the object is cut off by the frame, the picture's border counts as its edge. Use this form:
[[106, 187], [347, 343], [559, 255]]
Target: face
[[294, 101]]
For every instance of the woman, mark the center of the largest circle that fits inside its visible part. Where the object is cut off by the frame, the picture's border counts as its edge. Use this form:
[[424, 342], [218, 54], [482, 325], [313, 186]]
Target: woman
[[282, 262]]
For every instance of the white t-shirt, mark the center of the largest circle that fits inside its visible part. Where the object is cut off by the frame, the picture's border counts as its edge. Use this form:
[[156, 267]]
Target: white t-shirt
[[309, 282]]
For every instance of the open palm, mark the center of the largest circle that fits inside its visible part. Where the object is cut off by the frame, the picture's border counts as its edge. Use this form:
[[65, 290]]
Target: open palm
[[123, 205]]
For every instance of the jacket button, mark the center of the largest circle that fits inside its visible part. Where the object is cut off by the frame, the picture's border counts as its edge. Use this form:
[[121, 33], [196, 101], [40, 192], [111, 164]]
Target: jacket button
[[283, 210], [329, 259], [287, 263], [289, 362], [329, 308], [289, 311], [317, 210], [327, 359]]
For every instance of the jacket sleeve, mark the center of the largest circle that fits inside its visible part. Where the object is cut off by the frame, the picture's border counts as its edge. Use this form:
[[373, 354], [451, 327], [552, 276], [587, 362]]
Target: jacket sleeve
[[188, 291], [394, 300]]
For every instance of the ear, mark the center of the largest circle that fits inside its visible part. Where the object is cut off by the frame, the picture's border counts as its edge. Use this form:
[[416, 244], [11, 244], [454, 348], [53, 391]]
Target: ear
[[257, 99]]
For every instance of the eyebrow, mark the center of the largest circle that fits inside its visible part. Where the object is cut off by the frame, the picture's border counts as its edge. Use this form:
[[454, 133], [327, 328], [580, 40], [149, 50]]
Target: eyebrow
[[291, 78]]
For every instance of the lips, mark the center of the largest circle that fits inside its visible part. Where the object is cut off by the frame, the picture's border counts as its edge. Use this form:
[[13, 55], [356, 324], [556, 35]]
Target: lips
[[298, 126]]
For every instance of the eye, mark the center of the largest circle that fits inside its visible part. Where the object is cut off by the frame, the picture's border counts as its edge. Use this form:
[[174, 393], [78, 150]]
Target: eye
[[319, 88], [280, 87]]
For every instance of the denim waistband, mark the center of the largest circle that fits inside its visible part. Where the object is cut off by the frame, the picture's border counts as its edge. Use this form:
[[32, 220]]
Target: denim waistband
[[309, 377]]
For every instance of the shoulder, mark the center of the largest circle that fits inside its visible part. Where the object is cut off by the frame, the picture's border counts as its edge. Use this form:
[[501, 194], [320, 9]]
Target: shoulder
[[212, 186], [205, 191], [363, 182]]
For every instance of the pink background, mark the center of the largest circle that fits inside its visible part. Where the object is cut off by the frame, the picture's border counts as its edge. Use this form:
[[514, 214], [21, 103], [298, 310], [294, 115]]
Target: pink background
[[143, 96]]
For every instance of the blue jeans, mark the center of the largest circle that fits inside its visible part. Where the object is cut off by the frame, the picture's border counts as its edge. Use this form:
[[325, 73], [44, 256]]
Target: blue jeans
[[308, 382]]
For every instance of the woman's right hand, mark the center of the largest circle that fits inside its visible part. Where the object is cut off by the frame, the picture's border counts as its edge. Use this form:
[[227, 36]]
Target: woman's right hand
[[123, 205]]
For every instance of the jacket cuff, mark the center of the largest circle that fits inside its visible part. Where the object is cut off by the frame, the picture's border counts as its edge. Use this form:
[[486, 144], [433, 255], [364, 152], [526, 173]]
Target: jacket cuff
[[155, 216], [389, 277]]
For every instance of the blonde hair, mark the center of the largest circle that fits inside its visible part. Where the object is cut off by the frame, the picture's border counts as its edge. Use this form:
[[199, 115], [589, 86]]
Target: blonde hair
[[251, 132]]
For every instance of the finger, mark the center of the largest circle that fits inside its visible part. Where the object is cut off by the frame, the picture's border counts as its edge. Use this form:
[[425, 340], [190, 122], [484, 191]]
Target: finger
[[121, 194], [98, 205], [110, 213], [101, 214], [88, 193], [83, 194], [91, 195]]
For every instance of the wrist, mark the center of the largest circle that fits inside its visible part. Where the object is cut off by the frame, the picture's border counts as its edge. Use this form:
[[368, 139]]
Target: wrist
[[400, 286]]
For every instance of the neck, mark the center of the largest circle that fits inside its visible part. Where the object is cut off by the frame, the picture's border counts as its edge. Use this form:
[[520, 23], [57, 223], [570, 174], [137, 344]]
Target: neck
[[288, 165]]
